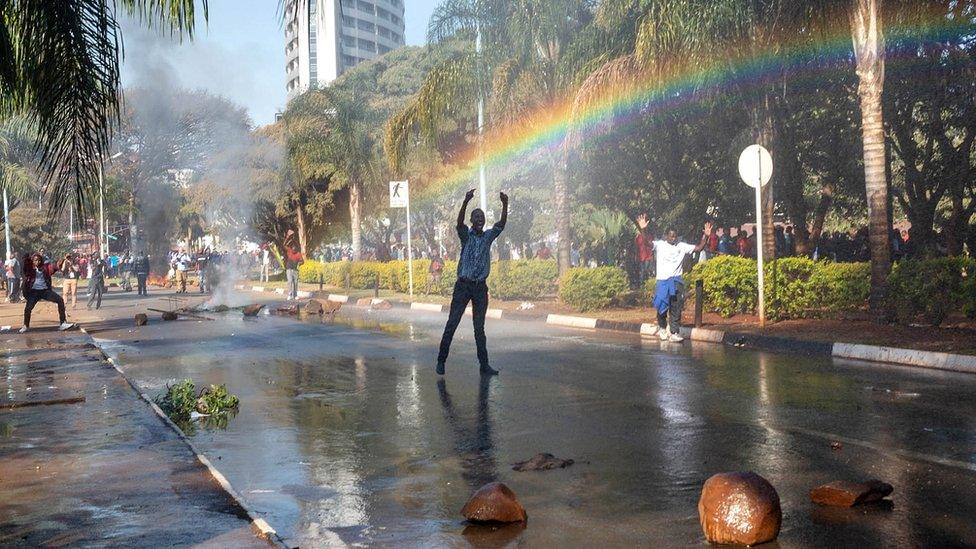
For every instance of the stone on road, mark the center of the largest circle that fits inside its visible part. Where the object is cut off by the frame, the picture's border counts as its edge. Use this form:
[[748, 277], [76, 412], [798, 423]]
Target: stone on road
[[845, 493], [494, 502], [739, 508]]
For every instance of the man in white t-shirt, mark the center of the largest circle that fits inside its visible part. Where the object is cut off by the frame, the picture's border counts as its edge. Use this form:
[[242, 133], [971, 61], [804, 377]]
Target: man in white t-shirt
[[669, 290]]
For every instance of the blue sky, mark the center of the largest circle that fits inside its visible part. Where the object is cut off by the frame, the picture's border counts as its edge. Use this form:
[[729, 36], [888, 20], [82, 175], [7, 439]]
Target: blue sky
[[238, 54]]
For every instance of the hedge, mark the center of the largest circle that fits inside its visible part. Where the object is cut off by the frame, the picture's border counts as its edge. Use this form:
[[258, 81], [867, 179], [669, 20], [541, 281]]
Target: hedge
[[523, 279], [932, 289], [588, 289]]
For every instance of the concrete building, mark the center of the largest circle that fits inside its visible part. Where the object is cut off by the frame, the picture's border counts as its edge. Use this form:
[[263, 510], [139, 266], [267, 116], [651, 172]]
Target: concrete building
[[324, 38]]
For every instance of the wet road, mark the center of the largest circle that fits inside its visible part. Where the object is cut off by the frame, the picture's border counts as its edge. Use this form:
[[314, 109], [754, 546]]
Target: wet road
[[345, 435]]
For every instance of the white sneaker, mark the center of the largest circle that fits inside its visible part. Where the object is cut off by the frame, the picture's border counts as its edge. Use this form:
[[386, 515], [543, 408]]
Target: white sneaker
[[24, 330], [66, 326], [662, 333], [675, 338]]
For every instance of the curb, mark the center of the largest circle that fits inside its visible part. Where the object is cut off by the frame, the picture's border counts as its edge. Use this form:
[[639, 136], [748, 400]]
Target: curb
[[907, 357], [260, 525]]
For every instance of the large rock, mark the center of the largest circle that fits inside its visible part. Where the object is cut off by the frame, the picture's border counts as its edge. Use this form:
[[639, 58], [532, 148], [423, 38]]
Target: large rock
[[541, 462], [170, 315], [142, 319], [313, 307], [364, 302], [844, 493], [330, 307], [494, 502], [380, 305], [253, 310], [739, 508]]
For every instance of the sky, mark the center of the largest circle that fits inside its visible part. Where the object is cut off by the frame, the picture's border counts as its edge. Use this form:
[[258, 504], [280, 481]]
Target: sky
[[238, 53]]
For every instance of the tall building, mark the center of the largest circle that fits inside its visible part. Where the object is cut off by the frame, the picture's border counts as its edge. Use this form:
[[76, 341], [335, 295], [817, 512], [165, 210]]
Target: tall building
[[324, 38]]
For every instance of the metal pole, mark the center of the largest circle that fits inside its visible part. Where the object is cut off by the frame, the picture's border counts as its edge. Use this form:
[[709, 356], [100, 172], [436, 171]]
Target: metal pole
[[71, 223], [759, 247], [409, 248], [482, 178], [102, 238], [6, 222]]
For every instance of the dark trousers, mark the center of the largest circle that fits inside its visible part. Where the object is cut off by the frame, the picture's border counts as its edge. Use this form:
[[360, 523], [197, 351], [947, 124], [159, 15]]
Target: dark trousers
[[477, 294], [141, 283], [647, 269], [675, 305], [33, 296], [96, 286]]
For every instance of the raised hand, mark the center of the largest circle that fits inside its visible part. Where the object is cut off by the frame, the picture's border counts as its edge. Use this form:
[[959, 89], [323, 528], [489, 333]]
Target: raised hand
[[469, 195], [642, 221], [708, 227], [503, 197]]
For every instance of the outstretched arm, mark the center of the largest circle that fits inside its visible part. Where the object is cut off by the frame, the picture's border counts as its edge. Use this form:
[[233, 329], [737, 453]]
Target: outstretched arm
[[504, 219], [704, 238], [464, 208]]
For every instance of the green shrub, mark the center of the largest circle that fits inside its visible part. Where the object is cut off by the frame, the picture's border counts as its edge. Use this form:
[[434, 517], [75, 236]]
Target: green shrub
[[932, 289], [181, 400], [841, 286], [523, 279], [788, 290], [729, 284], [588, 289]]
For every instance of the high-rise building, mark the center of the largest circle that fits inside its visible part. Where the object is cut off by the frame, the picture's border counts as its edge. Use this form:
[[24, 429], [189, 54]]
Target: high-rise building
[[324, 38]]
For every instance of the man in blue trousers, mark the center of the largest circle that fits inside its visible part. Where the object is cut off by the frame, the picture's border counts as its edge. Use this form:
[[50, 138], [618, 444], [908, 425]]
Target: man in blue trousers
[[473, 268], [669, 290]]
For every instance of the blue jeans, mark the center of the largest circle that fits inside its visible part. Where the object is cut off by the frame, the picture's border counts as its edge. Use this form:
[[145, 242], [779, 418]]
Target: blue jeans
[[477, 294], [292, 276]]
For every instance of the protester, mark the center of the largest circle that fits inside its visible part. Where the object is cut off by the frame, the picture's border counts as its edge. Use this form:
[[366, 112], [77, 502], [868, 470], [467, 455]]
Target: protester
[[37, 287], [790, 239], [181, 265], [669, 290], [96, 284], [435, 273], [293, 258], [140, 266], [12, 270], [645, 250], [474, 266], [70, 273], [265, 264], [726, 244], [544, 252]]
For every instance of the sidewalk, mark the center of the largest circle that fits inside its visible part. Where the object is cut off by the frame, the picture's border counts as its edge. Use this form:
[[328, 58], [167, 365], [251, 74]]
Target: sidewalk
[[98, 468]]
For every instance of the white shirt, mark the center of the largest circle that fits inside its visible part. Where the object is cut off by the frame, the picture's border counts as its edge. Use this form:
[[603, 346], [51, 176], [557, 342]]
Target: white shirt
[[670, 258], [182, 262], [264, 258]]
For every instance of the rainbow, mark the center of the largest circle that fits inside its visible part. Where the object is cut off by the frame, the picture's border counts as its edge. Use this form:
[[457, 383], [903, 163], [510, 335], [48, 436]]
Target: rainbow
[[545, 130]]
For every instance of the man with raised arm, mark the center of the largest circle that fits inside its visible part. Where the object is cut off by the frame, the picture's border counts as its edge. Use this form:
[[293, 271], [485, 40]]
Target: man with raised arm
[[474, 265], [669, 290]]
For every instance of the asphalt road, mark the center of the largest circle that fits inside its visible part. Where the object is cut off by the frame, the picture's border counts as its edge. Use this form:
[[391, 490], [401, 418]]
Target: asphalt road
[[346, 435]]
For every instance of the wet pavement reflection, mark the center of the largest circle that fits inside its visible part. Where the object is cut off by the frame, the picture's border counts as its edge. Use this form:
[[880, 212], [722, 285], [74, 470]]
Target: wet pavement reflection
[[346, 435]]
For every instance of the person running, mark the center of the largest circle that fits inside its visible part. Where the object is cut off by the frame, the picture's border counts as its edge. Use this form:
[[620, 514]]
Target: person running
[[70, 273], [12, 270], [96, 284], [669, 293], [140, 266], [37, 287], [474, 265], [293, 258]]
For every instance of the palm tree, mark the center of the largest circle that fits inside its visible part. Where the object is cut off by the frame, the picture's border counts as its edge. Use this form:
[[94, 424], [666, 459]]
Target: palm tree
[[17, 163], [869, 51], [59, 64], [530, 63]]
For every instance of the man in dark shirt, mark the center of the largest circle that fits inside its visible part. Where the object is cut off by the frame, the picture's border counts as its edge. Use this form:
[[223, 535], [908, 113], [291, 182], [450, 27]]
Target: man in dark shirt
[[473, 268]]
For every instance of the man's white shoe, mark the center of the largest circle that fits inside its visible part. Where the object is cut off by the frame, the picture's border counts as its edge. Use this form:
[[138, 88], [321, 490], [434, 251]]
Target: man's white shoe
[[24, 330], [66, 326], [675, 338], [662, 333]]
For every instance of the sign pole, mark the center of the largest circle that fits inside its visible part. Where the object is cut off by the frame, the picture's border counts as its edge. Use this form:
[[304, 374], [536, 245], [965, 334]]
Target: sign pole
[[409, 249], [759, 257], [6, 222], [756, 169]]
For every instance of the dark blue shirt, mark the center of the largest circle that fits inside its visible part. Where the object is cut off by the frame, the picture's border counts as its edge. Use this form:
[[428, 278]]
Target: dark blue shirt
[[475, 262]]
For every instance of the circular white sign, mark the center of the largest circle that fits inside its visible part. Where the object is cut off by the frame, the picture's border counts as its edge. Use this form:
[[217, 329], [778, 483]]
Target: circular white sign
[[755, 166]]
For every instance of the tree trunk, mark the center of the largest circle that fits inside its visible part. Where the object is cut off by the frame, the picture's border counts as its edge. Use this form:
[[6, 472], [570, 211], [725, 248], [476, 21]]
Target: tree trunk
[[869, 50], [819, 217], [762, 123], [300, 221], [563, 227], [355, 205]]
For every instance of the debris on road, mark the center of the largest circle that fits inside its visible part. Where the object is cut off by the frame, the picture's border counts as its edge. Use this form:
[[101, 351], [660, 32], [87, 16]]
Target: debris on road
[[28, 403], [843, 493], [541, 462], [739, 508], [141, 319], [252, 310], [494, 502]]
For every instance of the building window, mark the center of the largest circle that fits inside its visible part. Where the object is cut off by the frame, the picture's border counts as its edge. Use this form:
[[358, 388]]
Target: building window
[[365, 6], [365, 26], [349, 41], [383, 49], [382, 13], [367, 45]]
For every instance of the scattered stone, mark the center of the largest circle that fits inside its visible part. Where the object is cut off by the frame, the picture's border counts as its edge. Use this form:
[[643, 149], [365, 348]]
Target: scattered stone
[[364, 302], [836, 445], [287, 310], [313, 307], [331, 307], [253, 310], [142, 319], [170, 315], [844, 493], [494, 502], [739, 508], [542, 462], [220, 309], [381, 305]]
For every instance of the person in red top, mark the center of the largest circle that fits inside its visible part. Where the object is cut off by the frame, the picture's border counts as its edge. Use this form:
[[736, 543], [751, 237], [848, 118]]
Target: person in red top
[[293, 258], [544, 252], [711, 244], [37, 286], [743, 243], [645, 250]]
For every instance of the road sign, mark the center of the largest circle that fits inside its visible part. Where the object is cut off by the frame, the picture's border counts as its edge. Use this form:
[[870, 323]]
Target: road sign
[[399, 194], [756, 169], [755, 166]]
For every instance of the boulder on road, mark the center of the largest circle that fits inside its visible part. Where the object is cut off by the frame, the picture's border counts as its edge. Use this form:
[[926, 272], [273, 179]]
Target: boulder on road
[[541, 462], [739, 508], [313, 307], [142, 319], [494, 502], [380, 305], [170, 315], [253, 310], [844, 493], [364, 302]]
